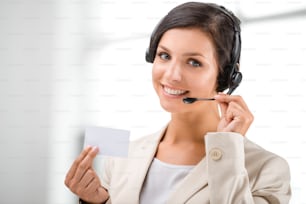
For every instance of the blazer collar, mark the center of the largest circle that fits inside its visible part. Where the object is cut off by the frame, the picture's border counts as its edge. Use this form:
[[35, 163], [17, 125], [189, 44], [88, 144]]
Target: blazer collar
[[141, 155], [140, 161]]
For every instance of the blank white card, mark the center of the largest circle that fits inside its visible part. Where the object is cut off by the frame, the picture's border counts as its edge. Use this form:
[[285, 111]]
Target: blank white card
[[111, 142]]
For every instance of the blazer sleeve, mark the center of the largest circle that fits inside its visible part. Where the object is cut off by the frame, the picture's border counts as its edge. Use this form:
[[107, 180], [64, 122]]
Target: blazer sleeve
[[228, 178]]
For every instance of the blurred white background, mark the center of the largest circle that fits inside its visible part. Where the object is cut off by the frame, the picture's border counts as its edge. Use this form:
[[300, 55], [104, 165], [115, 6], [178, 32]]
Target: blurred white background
[[68, 64]]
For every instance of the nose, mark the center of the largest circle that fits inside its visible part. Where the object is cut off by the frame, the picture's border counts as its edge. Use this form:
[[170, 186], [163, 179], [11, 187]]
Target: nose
[[174, 71]]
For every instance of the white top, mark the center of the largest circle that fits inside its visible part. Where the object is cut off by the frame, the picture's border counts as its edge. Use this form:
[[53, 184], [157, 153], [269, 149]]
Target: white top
[[161, 180]]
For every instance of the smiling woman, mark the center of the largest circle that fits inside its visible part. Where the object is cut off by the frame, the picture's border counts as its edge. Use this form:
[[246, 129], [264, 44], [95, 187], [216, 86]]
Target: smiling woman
[[182, 68], [202, 154]]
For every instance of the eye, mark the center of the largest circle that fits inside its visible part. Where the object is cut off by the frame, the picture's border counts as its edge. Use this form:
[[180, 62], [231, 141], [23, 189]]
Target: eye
[[194, 63], [164, 56]]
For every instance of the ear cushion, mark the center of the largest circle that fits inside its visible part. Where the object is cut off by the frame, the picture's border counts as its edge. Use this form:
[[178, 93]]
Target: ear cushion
[[224, 78], [234, 80]]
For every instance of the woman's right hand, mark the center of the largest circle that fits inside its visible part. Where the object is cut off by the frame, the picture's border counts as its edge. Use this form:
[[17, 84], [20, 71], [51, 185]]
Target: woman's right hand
[[82, 180]]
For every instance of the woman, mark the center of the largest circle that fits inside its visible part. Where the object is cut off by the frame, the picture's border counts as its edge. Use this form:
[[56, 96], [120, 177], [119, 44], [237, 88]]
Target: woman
[[202, 155]]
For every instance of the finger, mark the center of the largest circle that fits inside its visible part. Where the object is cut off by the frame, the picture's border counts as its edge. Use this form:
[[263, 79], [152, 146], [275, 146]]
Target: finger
[[75, 165], [87, 178], [231, 110], [224, 98], [96, 193], [233, 99], [93, 185], [85, 164], [236, 107], [232, 113]]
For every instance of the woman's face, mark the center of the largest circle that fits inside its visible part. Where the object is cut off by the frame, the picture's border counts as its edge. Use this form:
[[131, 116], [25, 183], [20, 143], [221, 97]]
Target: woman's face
[[184, 66]]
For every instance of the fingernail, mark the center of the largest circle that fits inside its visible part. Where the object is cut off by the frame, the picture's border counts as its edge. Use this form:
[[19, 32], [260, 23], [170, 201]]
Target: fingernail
[[87, 147]]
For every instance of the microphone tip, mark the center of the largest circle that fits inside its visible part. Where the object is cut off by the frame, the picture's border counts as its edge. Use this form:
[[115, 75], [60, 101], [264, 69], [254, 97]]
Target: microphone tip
[[189, 100]]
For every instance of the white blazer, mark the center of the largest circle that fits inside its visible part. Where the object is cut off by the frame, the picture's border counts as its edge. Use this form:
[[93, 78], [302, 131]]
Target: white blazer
[[234, 171]]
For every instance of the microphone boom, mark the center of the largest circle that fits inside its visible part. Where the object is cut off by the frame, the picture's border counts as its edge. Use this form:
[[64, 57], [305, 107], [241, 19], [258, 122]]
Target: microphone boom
[[192, 100]]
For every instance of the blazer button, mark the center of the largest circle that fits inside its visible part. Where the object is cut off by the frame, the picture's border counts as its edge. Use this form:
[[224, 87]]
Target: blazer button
[[215, 154]]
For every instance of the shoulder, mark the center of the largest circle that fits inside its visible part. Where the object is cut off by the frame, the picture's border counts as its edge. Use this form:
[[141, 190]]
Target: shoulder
[[257, 154], [265, 167]]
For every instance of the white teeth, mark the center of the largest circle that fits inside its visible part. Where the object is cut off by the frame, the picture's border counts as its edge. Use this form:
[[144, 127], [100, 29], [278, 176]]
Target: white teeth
[[174, 91]]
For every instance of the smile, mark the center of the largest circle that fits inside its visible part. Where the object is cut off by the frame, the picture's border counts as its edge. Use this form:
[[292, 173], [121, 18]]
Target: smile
[[175, 92]]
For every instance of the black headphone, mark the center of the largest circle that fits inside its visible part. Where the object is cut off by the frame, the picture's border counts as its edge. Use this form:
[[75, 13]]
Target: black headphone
[[232, 69]]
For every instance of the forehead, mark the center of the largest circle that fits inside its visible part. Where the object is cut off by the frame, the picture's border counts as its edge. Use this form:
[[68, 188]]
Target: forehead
[[187, 39]]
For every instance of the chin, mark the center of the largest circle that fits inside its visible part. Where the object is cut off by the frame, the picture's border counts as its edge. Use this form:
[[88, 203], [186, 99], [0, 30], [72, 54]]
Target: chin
[[173, 107]]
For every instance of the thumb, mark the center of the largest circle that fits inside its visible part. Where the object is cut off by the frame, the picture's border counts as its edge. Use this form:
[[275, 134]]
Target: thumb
[[223, 109], [222, 104]]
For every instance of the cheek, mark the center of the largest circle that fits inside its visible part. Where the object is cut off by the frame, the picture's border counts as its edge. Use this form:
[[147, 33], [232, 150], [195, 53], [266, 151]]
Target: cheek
[[156, 74], [155, 77], [207, 81]]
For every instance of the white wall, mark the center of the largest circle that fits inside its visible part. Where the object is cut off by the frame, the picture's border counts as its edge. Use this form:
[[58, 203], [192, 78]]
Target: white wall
[[26, 60], [65, 65], [274, 81]]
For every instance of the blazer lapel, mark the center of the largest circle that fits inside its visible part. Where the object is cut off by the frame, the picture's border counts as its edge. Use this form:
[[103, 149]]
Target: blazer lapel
[[140, 159], [192, 183]]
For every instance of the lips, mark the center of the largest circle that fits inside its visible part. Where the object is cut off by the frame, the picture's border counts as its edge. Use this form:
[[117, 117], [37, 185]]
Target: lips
[[174, 92]]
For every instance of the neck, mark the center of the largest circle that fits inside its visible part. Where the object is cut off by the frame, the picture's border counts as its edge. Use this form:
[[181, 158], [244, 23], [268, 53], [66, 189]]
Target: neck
[[192, 126]]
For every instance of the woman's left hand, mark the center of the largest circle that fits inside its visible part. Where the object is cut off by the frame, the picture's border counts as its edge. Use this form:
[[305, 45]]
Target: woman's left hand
[[235, 115]]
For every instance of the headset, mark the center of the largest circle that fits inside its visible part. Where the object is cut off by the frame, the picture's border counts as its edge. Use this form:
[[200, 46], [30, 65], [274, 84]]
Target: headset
[[232, 69]]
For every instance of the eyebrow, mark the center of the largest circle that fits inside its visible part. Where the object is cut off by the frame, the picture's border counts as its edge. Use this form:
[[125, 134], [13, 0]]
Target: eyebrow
[[185, 54]]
